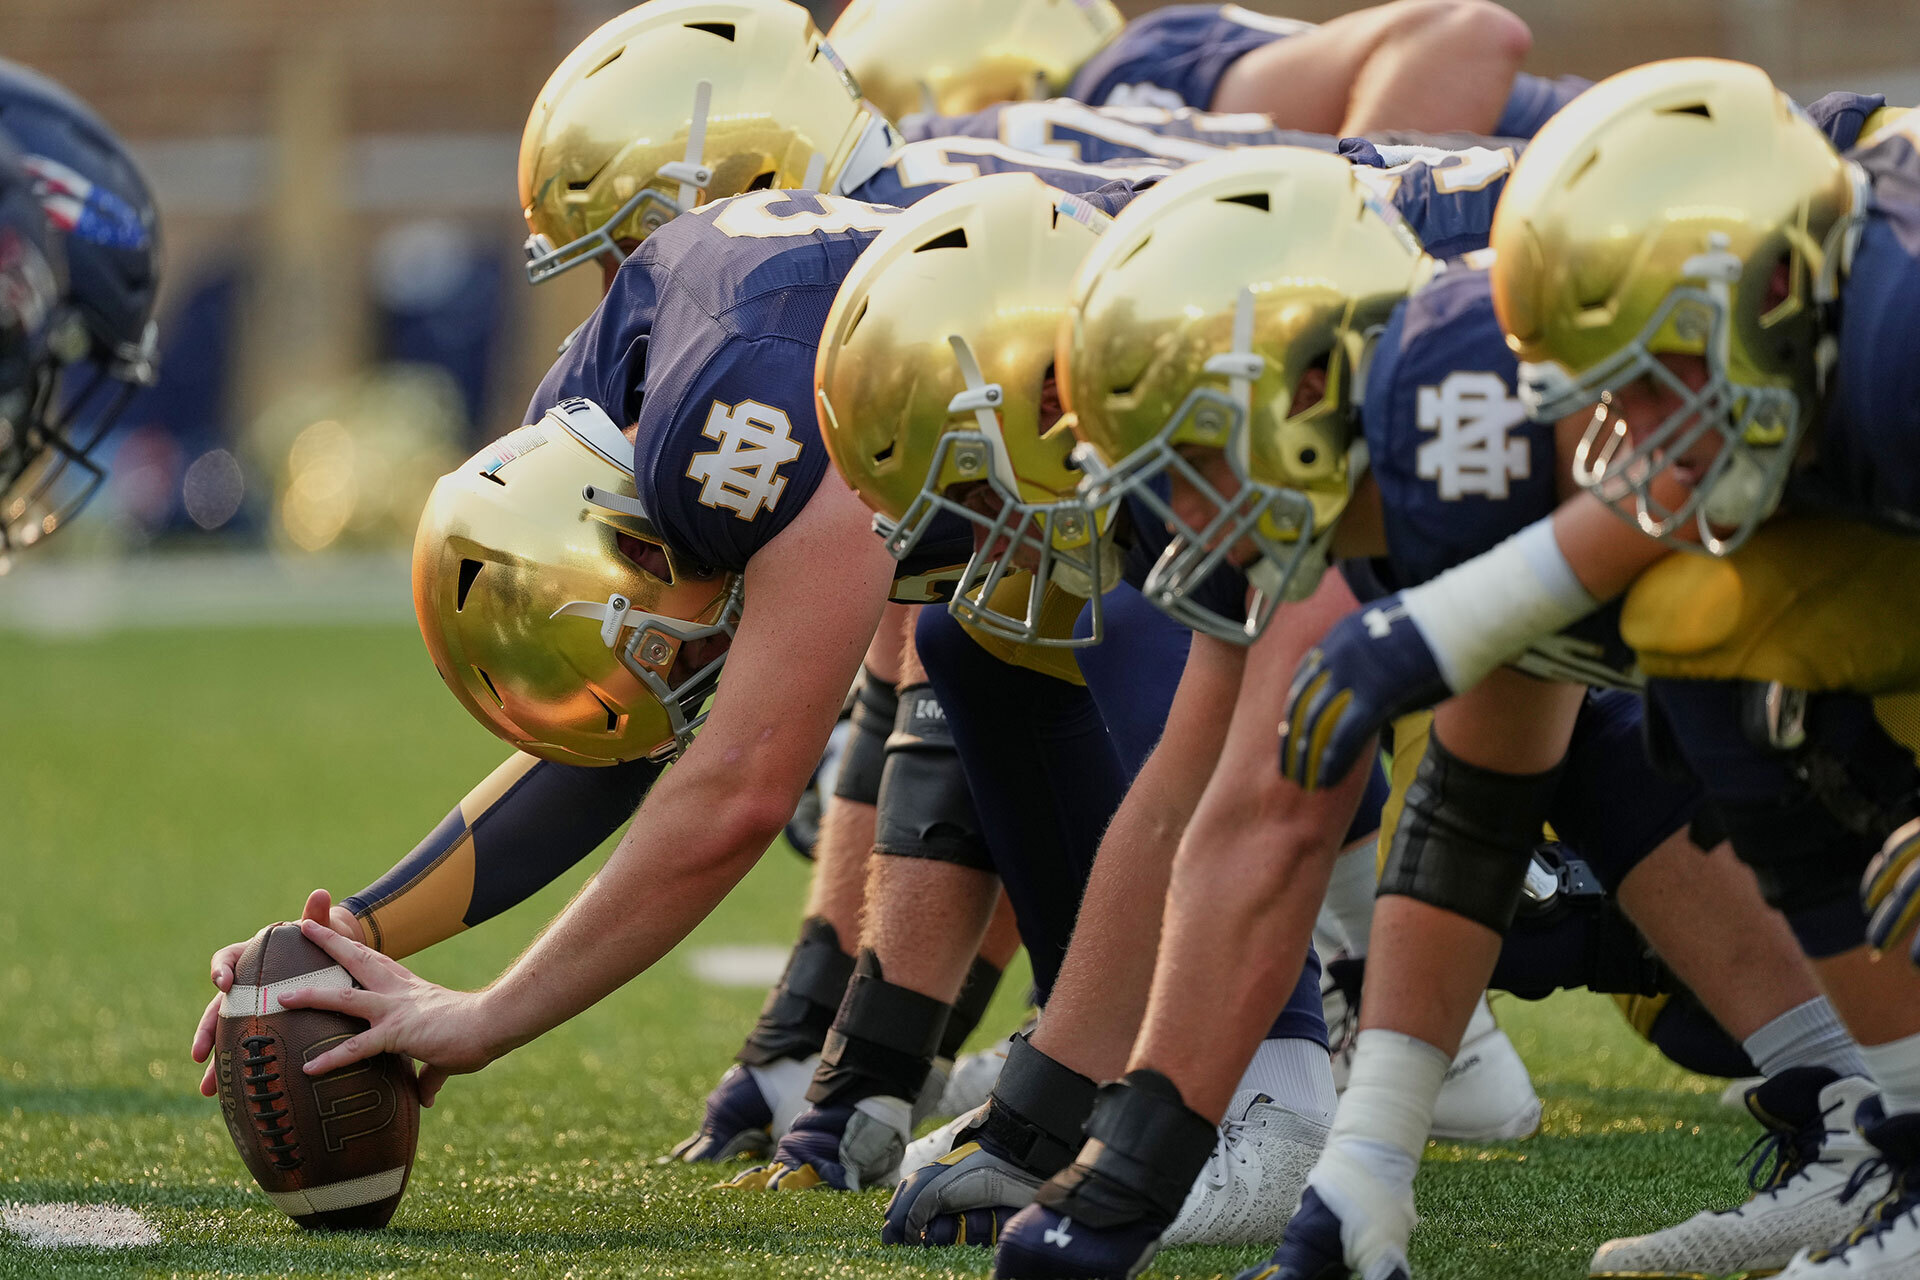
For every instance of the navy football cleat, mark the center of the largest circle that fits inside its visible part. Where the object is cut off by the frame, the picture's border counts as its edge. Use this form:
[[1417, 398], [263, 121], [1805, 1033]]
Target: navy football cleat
[[1039, 1242], [1311, 1248], [738, 1122]]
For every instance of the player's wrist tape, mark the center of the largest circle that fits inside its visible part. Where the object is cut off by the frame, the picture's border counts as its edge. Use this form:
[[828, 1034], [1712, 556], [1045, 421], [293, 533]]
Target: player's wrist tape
[[1144, 1149], [874, 705], [1466, 836], [925, 808], [799, 1011], [1478, 615], [1037, 1114], [983, 979], [881, 1042]]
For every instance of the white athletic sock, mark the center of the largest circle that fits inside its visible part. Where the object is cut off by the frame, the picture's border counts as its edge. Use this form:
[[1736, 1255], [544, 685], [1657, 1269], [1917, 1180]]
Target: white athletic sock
[[1807, 1035], [1388, 1106], [1895, 1068], [1293, 1072], [1350, 895]]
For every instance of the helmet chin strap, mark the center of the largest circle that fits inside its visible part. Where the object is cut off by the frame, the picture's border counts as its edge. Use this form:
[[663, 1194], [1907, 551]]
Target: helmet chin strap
[[983, 400], [1242, 368], [693, 176]]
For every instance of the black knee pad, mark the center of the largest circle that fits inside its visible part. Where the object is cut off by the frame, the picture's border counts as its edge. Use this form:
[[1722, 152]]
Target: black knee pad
[[882, 1041], [1145, 1147], [1466, 837], [799, 1011], [925, 809], [1037, 1114], [874, 707]]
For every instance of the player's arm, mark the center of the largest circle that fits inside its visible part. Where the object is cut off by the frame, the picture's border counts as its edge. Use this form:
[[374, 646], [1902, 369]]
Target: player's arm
[[814, 595]]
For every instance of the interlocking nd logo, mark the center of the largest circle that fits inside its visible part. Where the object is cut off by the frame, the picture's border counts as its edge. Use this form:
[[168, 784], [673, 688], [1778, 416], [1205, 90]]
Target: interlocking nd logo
[[743, 474]]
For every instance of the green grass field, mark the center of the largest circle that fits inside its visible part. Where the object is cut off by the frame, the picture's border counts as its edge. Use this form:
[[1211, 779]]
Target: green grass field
[[165, 792]]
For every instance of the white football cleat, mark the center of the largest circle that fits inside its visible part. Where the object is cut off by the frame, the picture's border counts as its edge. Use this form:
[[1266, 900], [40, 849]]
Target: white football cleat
[[1487, 1095], [1734, 1096], [1884, 1243], [940, 1143], [1252, 1181], [972, 1078], [1801, 1201]]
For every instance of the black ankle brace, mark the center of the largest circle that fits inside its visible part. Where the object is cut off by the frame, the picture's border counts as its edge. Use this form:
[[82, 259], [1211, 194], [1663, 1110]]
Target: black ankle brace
[[1144, 1149], [798, 1012], [983, 979], [881, 1041], [1038, 1112]]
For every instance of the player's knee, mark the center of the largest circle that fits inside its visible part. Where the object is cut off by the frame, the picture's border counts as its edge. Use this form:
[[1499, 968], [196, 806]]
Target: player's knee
[[1445, 29]]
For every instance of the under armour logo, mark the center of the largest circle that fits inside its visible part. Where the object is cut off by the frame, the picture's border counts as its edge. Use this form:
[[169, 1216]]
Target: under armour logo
[[1471, 454], [1378, 622], [1058, 1235], [743, 474]]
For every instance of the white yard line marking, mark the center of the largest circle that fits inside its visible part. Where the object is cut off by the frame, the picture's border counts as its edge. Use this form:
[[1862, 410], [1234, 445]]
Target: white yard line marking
[[86, 1226], [738, 966]]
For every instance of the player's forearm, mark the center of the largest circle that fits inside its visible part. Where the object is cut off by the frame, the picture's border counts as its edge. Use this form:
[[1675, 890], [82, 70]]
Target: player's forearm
[[524, 825], [692, 842]]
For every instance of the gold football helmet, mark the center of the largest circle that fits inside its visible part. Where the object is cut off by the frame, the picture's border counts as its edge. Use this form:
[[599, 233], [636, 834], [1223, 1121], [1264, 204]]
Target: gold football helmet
[[552, 607], [1685, 207], [933, 380], [679, 102], [1191, 327], [950, 57]]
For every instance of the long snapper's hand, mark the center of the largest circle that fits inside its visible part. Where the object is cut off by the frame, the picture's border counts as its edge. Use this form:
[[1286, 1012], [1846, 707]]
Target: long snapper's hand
[[446, 1030], [319, 907], [1373, 666]]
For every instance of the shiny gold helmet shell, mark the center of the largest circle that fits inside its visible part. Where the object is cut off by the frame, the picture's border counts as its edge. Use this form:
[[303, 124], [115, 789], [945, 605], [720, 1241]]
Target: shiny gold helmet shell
[[932, 379], [676, 103], [952, 57], [1191, 327], [1685, 207], [551, 606]]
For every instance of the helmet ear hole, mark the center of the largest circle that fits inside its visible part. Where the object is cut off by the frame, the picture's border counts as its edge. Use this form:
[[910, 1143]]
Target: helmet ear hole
[[487, 680], [469, 570]]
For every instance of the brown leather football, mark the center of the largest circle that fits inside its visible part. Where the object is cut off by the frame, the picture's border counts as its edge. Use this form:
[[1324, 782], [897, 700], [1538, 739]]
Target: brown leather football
[[332, 1152]]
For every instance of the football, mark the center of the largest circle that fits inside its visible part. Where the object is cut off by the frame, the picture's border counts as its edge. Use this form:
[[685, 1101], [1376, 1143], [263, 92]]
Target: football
[[332, 1152]]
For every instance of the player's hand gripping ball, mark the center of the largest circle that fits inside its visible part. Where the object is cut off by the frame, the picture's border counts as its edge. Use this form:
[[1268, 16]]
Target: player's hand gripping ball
[[332, 1152]]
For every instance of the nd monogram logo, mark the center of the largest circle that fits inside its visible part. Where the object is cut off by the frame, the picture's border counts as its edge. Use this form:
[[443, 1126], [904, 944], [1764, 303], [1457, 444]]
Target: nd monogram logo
[[743, 474], [1471, 455]]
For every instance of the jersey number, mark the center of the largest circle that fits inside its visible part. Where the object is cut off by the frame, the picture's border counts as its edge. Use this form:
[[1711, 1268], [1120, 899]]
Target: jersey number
[[764, 214]]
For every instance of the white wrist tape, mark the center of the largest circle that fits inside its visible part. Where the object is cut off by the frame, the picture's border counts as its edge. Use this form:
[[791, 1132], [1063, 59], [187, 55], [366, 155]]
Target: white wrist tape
[[1480, 614]]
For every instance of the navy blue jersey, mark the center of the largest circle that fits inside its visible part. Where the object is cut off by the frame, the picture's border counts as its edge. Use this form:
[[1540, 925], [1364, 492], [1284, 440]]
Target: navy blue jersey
[[1065, 129], [1534, 99], [1867, 462], [1447, 197], [1459, 466], [706, 342], [918, 169], [1175, 55], [1840, 115]]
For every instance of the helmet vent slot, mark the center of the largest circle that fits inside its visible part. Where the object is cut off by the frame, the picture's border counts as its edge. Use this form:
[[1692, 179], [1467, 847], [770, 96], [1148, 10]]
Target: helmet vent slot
[[882, 455], [722, 29], [613, 717], [469, 570], [488, 681], [954, 239], [858, 316], [1252, 199], [1134, 252], [606, 62], [1691, 109]]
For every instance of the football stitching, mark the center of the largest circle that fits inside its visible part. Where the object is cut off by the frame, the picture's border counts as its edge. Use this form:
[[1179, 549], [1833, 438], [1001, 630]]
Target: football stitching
[[262, 1097]]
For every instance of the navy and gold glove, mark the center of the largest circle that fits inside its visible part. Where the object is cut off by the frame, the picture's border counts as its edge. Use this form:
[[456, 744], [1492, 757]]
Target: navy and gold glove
[[1373, 667], [1891, 890]]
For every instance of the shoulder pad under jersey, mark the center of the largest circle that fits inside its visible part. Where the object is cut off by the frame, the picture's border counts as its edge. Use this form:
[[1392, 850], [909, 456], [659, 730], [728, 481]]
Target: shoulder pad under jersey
[[918, 169], [1446, 196], [1068, 130], [1841, 114]]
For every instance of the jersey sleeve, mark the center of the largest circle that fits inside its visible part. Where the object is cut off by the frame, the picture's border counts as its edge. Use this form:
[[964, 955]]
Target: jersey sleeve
[[1447, 197], [1534, 100], [730, 448], [1841, 115], [1458, 464], [1176, 55]]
